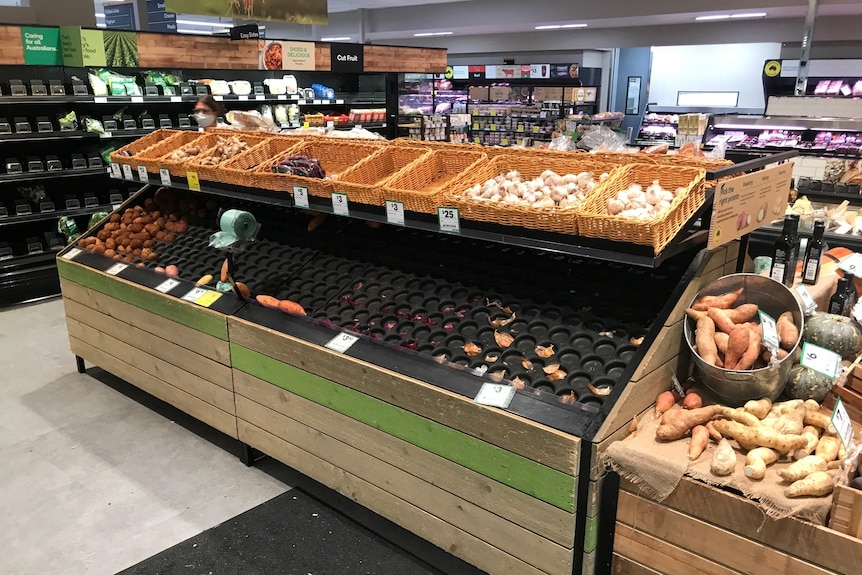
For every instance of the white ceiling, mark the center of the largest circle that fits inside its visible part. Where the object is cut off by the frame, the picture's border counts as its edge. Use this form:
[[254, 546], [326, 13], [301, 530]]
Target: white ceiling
[[349, 5]]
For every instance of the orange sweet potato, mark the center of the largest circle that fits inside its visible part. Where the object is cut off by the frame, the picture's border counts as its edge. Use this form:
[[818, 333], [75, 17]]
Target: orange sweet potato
[[267, 301], [741, 314], [677, 422], [788, 333], [737, 344], [723, 301], [721, 320], [705, 340], [750, 355], [699, 440], [665, 401]]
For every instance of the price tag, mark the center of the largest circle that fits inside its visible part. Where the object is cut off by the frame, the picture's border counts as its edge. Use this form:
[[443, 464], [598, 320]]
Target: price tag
[[339, 102], [137, 99], [807, 300], [300, 196], [358, 126], [106, 135], [202, 296], [770, 331], [305, 125], [142, 174], [115, 171], [341, 342], [260, 97], [493, 113], [100, 100], [71, 254], [218, 98], [127, 172], [852, 265], [194, 182], [475, 125], [842, 423], [115, 207], [330, 124], [115, 269], [505, 141], [535, 129], [856, 312], [281, 97], [449, 220], [339, 204], [820, 360], [176, 98], [493, 127], [316, 102], [167, 285], [243, 98], [520, 128], [302, 102], [395, 212], [495, 395]]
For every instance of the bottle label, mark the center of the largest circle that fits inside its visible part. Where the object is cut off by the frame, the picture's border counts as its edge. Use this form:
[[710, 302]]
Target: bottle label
[[777, 272], [811, 269]]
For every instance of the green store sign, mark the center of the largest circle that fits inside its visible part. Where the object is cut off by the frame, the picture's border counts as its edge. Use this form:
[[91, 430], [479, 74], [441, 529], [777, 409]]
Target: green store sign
[[41, 46]]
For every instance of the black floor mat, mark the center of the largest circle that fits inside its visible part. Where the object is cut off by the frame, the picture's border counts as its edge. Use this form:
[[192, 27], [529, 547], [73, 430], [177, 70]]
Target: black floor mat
[[292, 534]]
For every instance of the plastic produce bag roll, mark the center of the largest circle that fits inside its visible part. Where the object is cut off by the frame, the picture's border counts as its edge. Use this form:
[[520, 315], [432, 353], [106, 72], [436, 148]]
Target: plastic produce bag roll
[[235, 225]]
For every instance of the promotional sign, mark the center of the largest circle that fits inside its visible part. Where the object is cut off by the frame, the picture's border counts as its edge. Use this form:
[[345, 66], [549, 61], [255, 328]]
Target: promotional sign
[[41, 46], [563, 70], [540, 71], [247, 32], [119, 16], [460, 72], [293, 11], [347, 58], [277, 55], [121, 49], [158, 19], [525, 70], [82, 47], [745, 203], [476, 72]]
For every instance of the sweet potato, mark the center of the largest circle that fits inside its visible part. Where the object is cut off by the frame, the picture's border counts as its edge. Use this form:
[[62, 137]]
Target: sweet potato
[[267, 301], [756, 461], [288, 306], [788, 333], [758, 408], [721, 342], [817, 484], [695, 314], [760, 436], [828, 448], [812, 436], [224, 271], [705, 340], [692, 401], [665, 401], [723, 301], [802, 468], [751, 354], [811, 405], [739, 415], [724, 459], [719, 317], [244, 290], [699, 440], [745, 312], [675, 423], [791, 422], [737, 345], [819, 420], [713, 432]]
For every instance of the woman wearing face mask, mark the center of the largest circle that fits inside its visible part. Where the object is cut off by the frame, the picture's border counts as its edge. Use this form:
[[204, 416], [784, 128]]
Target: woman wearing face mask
[[207, 110]]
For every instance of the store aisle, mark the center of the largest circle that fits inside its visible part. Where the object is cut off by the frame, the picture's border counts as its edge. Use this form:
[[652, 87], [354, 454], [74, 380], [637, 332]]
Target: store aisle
[[97, 475]]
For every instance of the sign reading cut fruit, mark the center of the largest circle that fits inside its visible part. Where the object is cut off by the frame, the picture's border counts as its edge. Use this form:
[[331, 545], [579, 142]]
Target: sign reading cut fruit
[[743, 204]]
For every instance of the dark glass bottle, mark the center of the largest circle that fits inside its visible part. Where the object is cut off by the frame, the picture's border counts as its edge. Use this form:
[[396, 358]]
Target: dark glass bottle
[[841, 302], [813, 255], [794, 252], [782, 251]]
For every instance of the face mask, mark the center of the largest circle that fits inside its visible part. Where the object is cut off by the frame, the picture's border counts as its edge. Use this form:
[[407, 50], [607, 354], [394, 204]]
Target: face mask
[[204, 120]]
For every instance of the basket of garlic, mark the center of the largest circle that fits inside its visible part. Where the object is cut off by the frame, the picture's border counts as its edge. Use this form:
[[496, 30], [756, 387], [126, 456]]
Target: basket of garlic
[[154, 157], [524, 192], [208, 164], [642, 204]]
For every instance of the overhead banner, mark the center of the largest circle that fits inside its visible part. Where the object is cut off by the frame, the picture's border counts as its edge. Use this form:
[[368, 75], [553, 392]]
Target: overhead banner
[[563, 70], [295, 56], [119, 16], [41, 46], [158, 19], [347, 58], [293, 11]]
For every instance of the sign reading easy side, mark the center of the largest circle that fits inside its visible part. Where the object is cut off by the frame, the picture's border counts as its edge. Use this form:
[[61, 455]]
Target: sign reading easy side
[[347, 58]]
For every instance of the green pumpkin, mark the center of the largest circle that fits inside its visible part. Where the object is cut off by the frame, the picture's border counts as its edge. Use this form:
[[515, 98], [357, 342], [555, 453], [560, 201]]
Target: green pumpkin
[[805, 383], [834, 332]]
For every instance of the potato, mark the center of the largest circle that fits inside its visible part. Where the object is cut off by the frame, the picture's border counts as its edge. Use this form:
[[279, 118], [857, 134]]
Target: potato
[[172, 271], [115, 218]]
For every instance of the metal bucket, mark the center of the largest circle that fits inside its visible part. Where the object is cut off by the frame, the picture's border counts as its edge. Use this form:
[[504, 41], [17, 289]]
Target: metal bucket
[[731, 387]]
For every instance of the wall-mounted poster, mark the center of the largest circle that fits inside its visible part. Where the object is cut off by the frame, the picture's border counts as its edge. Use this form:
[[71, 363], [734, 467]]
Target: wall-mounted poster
[[277, 55], [293, 11]]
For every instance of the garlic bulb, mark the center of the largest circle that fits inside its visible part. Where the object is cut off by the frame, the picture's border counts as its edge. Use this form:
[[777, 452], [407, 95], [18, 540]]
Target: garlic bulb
[[548, 190]]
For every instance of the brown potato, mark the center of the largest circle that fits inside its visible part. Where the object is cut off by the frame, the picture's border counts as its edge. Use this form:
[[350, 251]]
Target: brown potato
[[169, 238], [115, 218], [110, 253], [148, 244], [136, 244], [137, 252]]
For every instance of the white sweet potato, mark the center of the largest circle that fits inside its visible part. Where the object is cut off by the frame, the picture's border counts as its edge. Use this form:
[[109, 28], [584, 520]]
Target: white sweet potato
[[760, 436], [817, 484], [724, 459], [803, 468], [756, 461]]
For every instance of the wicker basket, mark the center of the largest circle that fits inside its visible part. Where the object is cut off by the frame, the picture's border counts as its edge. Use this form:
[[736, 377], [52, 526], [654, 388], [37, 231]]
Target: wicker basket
[[421, 184], [363, 183], [692, 161], [334, 157], [625, 159], [241, 170], [516, 151], [437, 145], [151, 158], [594, 221], [141, 145], [560, 220], [212, 172]]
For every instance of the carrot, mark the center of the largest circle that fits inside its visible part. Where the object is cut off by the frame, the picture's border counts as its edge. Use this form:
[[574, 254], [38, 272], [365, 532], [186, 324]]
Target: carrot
[[692, 401], [288, 306], [224, 271], [665, 401], [267, 301], [705, 340], [737, 345], [788, 333], [723, 301], [719, 317], [699, 440]]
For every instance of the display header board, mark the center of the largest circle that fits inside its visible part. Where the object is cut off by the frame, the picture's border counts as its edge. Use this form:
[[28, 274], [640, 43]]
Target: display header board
[[293, 11], [347, 58], [743, 204], [82, 47], [295, 56], [247, 32], [119, 16], [41, 46]]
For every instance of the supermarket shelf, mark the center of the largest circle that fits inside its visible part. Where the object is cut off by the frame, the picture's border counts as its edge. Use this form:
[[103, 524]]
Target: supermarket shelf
[[371, 126], [7, 266], [41, 100], [44, 216], [768, 234], [30, 176], [73, 135]]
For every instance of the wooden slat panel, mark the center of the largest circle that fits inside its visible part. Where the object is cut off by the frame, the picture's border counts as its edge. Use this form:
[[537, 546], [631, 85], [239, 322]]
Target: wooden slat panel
[[704, 539], [323, 57], [455, 541], [814, 543], [13, 49], [534, 441], [528, 512], [198, 342], [668, 559], [172, 353], [177, 377], [213, 416], [625, 566], [711, 270], [523, 474], [187, 314], [665, 347], [497, 531], [403, 59]]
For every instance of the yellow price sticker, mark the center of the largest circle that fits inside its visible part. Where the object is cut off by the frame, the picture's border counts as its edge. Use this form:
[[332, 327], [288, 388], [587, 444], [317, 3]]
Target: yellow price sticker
[[493, 127], [520, 128], [476, 140], [535, 129], [305, 124], [194, 182], [209, 298], [505, 141], [476, 125], [493, 112]]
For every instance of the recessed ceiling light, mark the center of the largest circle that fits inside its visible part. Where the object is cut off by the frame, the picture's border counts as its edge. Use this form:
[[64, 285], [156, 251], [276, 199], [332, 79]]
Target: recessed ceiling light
[[714, 17], [335, 39], [574, 26], [558, 26], [749, 15], [433, 34]]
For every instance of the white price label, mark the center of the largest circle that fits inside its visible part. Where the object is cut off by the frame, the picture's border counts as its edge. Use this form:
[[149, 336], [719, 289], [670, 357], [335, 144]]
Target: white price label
[[449, 220], [137, 99], [856, 312], [330, 124], [115, 269], [317, 102], [127, 172], [281, 97], [71, 254], [852, 265], [167, 285], [194, 294], [358, 126], [243, 98], [218, 98], [842, 423], [339, 204], [176, 98], [115, 207], [300, 196], [395, 212], [495, 394], [342, 342], [770, 331], [165, 176], [820, 360], [142, 174], [807, 301], [260, 97], [106, 135], [100, 100], [339, 101], [115, 171]]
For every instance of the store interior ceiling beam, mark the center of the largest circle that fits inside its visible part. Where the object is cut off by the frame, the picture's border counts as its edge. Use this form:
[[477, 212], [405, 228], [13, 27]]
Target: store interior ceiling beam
[[807, 40]]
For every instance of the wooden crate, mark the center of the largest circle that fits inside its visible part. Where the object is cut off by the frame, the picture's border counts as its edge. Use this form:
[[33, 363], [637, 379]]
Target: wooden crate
[[420, 456], [846, 515], [171, 349]]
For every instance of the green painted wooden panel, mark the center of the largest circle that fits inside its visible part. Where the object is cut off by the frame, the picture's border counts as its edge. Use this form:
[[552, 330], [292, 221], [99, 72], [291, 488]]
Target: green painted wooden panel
[[591, 535], [170, 308], [532, 478]]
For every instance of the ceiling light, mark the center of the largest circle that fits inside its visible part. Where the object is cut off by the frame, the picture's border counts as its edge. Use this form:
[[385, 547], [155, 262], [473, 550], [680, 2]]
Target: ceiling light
[[714, 17], [335, 39], [421, 34], [186, 31], [200, 23], [573, 26], [749, 15], [550, 27]]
